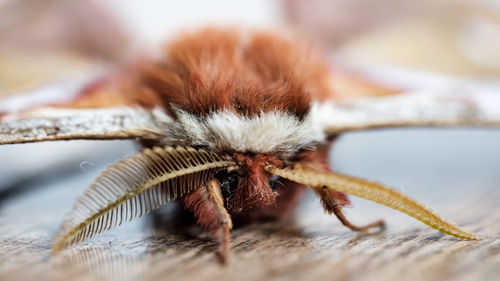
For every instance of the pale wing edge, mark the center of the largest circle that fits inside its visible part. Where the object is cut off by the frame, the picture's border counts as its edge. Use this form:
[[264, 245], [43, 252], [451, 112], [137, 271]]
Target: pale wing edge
[[50, 124], [409, 110]]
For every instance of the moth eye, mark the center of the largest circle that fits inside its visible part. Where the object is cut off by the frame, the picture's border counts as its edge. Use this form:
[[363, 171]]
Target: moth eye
[[273, 182], [228, 182]]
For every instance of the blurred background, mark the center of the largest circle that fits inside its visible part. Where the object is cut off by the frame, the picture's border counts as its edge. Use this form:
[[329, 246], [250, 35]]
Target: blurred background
[[401, 44], [459, 37]]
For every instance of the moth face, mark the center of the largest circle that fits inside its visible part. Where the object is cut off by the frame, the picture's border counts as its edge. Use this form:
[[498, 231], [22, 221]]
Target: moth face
[[252, 141]]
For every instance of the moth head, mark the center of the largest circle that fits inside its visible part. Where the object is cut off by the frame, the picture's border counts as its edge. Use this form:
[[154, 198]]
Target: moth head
[[252, 141], [246, 95]]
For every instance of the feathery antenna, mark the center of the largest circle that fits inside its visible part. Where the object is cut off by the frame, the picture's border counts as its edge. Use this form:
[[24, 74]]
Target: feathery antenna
[[135, 186], [371, 191]]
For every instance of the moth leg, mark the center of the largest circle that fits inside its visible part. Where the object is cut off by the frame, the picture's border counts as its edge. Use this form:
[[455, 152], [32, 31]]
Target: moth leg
[[332, 207], [207, 205], [224, 219]]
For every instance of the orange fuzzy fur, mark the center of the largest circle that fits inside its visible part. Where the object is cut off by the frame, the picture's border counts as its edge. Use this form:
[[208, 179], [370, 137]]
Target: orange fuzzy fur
[[214, 69], [246, 73]]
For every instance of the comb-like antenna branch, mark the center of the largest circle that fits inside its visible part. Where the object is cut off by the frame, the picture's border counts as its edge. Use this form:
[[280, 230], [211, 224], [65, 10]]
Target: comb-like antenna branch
[[136, 186], [371, 191]]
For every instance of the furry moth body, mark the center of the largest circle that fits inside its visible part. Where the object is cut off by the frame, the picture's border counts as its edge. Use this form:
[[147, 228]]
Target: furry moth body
[[221, 115]]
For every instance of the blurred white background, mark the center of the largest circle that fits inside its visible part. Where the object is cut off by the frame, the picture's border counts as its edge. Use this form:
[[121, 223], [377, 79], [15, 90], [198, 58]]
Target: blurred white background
[[154, 21]]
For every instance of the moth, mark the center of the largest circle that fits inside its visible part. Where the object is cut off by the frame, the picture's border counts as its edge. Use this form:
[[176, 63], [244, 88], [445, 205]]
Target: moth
[[234, 125]]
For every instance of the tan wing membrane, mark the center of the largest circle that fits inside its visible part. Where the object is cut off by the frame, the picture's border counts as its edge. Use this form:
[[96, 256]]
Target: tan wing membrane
[[136, 186], [65, 124], [410, 110], [371, 191]]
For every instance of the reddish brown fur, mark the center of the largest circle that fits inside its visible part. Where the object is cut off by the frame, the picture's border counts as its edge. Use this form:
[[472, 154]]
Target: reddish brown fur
[[218, 69], [212, 69], [204, 210], [206, 204], [288, 195], [253, 189]]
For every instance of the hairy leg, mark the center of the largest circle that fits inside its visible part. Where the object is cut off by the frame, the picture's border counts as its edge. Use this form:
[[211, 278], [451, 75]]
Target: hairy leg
[[289, 195], [332, 201], [207, 205], [332, 207]]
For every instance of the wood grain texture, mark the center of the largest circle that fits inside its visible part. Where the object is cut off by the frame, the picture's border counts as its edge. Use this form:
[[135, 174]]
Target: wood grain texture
[[310, 246]]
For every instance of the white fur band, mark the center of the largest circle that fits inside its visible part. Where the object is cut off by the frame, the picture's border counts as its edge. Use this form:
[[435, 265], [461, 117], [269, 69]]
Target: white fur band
[[267, 132]]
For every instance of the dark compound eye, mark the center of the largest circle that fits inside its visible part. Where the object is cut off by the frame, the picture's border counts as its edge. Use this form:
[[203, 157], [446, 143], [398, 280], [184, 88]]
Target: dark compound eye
[[228, 182], [273, 182]]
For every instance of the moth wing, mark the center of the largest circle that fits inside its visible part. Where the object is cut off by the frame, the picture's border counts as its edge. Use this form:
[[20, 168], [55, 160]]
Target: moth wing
[[424, 100], [347, 84], [411, 110], [96, 88], [98, 105], [57, 93], [47, 124]]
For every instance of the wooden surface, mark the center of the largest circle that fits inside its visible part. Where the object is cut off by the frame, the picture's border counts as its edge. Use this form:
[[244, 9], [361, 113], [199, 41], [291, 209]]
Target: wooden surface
[[455, 172]]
